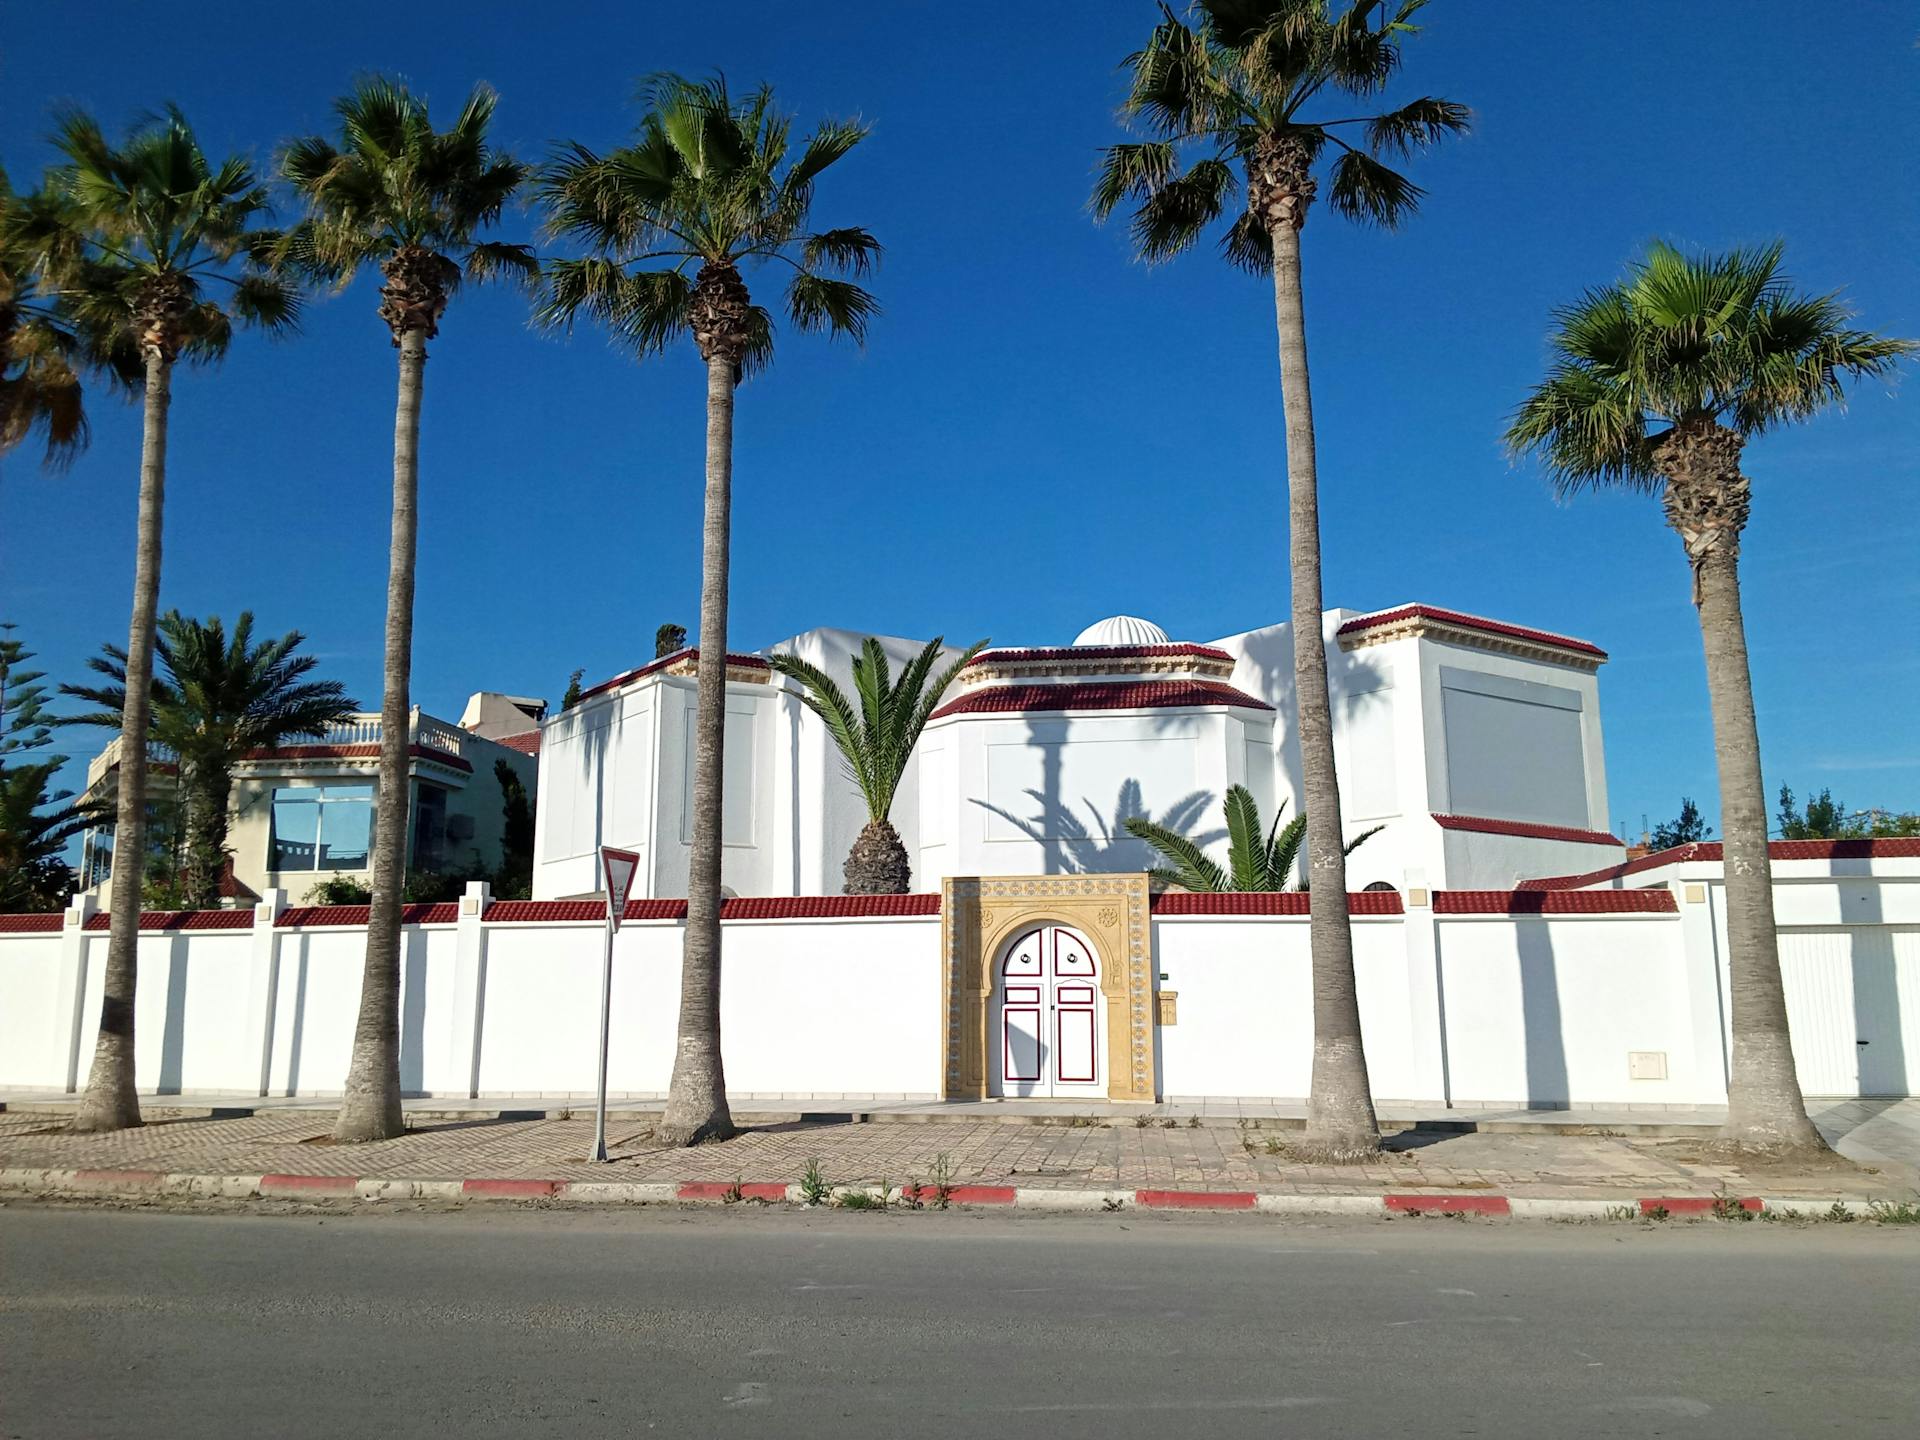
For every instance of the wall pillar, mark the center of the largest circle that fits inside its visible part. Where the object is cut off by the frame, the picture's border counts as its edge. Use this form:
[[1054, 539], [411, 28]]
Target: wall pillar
[[263, 979], [470, 982], [1701, 932], [70, 1019], [1426, 1001]]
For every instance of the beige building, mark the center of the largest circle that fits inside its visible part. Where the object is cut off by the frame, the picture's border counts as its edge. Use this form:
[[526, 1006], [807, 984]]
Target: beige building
[[303, 814]]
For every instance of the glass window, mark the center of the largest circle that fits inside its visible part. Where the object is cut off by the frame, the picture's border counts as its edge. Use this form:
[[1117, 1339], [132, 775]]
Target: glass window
[[430, 827], [322, 827]]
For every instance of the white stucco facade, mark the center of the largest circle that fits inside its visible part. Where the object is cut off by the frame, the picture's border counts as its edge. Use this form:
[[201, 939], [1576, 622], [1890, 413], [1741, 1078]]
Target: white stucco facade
[[1037, 756]]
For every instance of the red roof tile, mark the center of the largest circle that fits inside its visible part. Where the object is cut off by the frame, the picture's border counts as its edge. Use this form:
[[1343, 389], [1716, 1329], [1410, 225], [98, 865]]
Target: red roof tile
[[181, 920], [1100, 652], [1362, 623], [1527, 830], [447, 912], [1099, 695], [1554, 902], [527, 742], [38, 923], [1285, 902], [1887, 848], [692, 652], [356, 752], [752, 907]]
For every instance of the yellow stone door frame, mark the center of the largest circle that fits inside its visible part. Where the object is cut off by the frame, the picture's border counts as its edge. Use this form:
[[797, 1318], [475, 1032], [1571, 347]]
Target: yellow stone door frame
[[980, 914]]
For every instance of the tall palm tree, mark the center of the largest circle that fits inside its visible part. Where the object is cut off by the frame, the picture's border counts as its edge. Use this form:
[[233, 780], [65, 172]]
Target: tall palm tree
[[1656, 385], [1253, 865], [147, 228], [219, 699], [396, 193], [875, 742], [707, 184], [1237, 98]]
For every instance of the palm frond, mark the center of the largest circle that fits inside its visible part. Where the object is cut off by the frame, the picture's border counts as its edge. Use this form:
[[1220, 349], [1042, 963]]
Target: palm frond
[[1371, 193], [1191, 868], [816, 304]]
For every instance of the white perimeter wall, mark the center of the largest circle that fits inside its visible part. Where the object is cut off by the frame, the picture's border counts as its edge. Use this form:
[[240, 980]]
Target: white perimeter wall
[[1461, 1009]]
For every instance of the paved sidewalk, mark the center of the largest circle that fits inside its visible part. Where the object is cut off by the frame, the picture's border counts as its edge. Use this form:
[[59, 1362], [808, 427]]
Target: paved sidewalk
[[1081, 1154]]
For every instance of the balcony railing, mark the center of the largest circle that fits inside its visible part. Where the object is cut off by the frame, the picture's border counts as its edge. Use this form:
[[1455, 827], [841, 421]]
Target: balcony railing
[[363, 728]]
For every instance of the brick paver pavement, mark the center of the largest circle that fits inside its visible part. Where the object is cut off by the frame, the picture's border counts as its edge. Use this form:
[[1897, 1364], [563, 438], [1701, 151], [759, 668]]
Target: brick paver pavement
[[1080, 1155]]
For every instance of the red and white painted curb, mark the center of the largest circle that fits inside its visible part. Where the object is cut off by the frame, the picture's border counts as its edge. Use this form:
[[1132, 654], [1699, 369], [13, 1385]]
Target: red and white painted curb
[[157, 1183]]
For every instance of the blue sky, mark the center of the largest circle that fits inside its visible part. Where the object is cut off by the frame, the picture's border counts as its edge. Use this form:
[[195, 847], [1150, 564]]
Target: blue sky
[[1040, 431]]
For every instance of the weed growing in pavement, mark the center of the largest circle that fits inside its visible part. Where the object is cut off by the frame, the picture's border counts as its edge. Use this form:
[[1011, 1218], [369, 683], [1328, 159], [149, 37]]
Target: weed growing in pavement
[[943, 1179], [1112, 1203], [1655, 1212], [862, 1199], [1728, 1207], [1142, 1120], [1249, 1147], [1085, 1122], [814, 1189], [1839, 1214], [1193, 1121], [1623, 1212], [734, 1193], [1894, 1212], [1274, 1147]]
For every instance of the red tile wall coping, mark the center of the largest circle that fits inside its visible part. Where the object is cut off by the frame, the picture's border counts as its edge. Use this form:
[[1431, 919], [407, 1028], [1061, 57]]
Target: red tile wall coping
[[1526, 830], [1100, 652], [180, 920], [295, 917], [691, 652], [1361, 902], [1468, 622], [1554, 902], [1900, 847], [38, 923], [527, 742], [756, 907], [1099, 695], [357, 752]]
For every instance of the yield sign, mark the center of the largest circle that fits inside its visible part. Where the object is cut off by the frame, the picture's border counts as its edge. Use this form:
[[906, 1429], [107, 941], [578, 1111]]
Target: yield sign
[[619, 867]]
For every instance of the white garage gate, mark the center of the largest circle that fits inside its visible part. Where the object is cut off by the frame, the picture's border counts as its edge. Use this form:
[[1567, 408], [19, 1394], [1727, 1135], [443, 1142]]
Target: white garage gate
[[1853, 1000]]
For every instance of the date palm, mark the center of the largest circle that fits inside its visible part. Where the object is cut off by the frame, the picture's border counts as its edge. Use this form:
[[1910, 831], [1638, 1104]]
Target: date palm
[[876, 738], [218, 698], [708, 184], [1657, 383], [1234, 100], [414, 201], [156, 249], [1254, 865]]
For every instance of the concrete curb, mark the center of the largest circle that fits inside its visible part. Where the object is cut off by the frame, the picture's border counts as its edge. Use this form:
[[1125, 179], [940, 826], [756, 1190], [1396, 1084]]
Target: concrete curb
[[161, 1184]]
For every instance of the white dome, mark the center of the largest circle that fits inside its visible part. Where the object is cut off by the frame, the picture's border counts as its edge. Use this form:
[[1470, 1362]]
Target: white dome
[[1122, 630]]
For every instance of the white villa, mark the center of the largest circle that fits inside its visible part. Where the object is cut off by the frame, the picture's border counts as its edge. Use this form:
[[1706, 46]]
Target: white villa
[[1475, 743]]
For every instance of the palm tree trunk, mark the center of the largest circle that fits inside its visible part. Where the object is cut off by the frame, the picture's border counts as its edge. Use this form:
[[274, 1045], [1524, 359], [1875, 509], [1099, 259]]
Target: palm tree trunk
[[370, 1107], [208, 795], [697, 1096], [1341, 1124], [1765, 1109], [110, 1101]]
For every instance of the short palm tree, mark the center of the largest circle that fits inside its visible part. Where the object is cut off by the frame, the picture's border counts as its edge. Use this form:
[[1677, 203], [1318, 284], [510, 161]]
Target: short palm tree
[[1243, 91], [159, 249], [875, 739], [708, 184], [42, 351], [1656, 385], [35, 821], [219, 698], [396, 193], [1254, 865]]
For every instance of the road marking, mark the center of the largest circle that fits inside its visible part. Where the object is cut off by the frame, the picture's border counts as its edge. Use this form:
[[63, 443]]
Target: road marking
[[1460, 1320], [1456, 1292]]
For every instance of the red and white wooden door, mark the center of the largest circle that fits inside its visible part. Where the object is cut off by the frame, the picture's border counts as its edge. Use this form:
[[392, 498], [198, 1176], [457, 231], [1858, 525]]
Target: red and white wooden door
[[1046, 1016]]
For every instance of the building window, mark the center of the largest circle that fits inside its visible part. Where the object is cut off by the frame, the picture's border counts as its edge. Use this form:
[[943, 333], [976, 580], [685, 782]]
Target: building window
[[429, 827], [321, 827]]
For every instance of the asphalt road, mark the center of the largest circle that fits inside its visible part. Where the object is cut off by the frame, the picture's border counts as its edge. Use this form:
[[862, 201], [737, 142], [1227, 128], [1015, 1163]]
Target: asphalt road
[[155, 1324]]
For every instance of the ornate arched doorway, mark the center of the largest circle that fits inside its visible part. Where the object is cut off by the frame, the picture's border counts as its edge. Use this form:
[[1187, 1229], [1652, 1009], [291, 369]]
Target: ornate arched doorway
[[1047, 1030]]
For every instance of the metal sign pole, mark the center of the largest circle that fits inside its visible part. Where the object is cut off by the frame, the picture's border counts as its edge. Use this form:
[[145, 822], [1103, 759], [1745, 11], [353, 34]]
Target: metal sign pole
[[606, 1024]]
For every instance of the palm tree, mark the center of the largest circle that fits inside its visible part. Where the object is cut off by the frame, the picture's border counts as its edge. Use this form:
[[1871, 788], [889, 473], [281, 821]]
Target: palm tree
[[41, 353], [707, 183], [875, 742], [398, 194], [1245, 85], [221, 698], [33, 873], [144, 228], [1657, 383], [1253, 865]]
